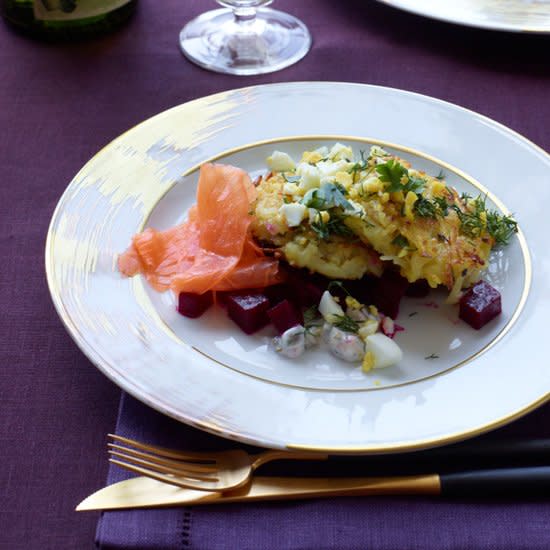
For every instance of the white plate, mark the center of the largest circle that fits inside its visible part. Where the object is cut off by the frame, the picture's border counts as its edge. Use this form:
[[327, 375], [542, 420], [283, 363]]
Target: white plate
[[531, 16], [208, 374]]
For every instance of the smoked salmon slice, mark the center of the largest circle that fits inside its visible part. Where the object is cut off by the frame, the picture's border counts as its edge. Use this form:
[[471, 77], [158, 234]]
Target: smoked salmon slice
[[213, 249]]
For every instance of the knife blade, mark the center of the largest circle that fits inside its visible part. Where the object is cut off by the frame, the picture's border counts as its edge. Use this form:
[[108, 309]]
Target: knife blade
[[143, 492]]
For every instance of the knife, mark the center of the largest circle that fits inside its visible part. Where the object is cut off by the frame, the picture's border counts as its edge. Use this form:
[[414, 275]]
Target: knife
[[143, 492]]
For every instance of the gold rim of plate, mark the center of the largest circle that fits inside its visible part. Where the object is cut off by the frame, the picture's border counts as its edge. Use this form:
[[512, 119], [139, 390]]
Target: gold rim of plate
[[334, 449]]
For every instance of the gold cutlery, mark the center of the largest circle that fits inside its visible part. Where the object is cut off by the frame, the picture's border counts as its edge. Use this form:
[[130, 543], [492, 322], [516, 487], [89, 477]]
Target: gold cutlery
[[211, 471], [144, 492]]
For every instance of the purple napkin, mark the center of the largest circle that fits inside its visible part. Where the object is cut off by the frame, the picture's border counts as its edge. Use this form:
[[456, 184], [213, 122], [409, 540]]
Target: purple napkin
[[377, 523]]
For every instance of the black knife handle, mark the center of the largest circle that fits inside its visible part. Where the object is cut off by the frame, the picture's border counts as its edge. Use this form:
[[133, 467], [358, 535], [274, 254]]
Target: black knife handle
[[510, 449], [502, 482]]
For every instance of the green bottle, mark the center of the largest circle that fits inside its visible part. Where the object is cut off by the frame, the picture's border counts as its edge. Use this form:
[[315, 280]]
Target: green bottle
[[66, 19]]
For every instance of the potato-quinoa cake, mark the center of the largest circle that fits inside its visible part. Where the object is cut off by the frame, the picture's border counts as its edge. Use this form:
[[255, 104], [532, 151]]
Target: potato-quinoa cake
[[344, 217]]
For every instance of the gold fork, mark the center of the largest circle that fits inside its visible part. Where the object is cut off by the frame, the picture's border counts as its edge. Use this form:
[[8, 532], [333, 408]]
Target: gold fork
[[208, 471]]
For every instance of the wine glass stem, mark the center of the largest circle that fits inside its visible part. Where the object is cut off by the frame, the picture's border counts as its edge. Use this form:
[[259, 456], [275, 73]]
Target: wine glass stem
[[244, 16]]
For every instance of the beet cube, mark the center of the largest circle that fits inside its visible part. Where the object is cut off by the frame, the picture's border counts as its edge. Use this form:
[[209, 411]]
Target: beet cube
[[418, 289], [194, 305], [479, 305], [249, 311], [306, 288], [388, 291], [311, 293], [285, 315], [223, 295], [278, 293]]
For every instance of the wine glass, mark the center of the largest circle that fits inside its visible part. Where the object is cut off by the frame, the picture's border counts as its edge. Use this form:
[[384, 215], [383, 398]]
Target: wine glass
[[245, 38]]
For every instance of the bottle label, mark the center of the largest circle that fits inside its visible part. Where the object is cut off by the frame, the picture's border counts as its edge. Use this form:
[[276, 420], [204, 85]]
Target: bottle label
[[66, 10]]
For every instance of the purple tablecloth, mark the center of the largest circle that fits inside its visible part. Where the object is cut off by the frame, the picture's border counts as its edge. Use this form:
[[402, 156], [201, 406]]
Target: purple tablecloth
[[61, 104], [381, 523]]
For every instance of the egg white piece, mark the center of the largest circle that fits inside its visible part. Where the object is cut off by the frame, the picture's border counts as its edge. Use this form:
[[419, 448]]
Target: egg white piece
[[340, 151], [293, 213], [280, 162], [385, 351], [310, 176], [329, 308]]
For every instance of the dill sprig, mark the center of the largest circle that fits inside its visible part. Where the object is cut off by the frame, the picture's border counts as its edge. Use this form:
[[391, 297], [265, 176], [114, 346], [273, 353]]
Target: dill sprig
[[476, 219], [431, 208], [425, 208], [358, 167], [334, 226], [312, 317], [501, 228], [471, 221], [346, 323], [442, 205]]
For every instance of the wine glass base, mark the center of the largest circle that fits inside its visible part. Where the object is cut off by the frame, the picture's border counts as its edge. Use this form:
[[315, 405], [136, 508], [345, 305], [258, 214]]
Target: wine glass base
[[271, 41]]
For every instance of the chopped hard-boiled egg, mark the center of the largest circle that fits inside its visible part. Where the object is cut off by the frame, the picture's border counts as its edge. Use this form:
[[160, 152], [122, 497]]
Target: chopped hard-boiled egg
[[352, 303], [344, 178], [340, 152], [311, 156], [322, 216], [323, 151], [370, 326], [310, 177], [328, 168], [329, 308], [280, 162], [368, 362], [372, 185], [384, 350], [410, 199], [293, 213], [290, 188], [312, 215]]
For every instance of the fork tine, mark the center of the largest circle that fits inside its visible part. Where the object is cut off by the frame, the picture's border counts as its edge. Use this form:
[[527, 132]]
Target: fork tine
[[164, 469], [149, 473], [188, 466], [162, 451]]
